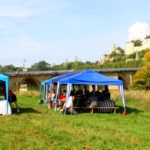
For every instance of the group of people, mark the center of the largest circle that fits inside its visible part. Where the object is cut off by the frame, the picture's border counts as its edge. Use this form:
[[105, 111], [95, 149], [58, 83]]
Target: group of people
[[11, 96], [62, 100], [81, 99]]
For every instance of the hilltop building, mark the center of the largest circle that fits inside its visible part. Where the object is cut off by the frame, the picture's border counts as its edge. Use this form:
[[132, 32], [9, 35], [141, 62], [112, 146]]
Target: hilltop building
[[114, 49], [130, 48]]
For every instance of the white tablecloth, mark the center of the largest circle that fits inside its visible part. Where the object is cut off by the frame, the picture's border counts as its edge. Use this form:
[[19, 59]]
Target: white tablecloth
[[3, 108]]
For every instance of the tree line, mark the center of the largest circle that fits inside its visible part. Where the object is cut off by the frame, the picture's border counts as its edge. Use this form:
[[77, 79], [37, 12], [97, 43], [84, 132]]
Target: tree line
[[117, 61]]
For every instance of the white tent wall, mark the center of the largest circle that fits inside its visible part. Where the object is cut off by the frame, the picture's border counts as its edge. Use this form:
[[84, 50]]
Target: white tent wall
[[46, 94], [51, 89], [57, 94], [7, 94], [69, 85], [123, 98]]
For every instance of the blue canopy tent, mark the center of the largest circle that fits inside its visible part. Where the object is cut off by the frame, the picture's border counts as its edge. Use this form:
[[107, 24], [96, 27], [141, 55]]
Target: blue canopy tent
[[49, 82], [90, 77], [56, 81], [5, 79], [41, 87]]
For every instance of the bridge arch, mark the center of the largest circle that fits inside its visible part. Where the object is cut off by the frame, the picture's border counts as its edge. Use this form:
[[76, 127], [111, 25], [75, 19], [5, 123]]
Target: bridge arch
[[30, 82], [124, 79]]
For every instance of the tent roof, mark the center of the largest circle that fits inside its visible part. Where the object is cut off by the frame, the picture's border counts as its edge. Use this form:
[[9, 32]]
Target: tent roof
[[47, 82], [4, 78], [90, 77], [65, 76]]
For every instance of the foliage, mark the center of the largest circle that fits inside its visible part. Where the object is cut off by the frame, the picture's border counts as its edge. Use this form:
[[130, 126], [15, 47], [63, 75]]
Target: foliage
[[113, 54], [137, 42], [147, 57], [120, 54], [132, 55], [42, 65], [116, 61], [121, 51], [142, 77], [142, 53], [9, 68]]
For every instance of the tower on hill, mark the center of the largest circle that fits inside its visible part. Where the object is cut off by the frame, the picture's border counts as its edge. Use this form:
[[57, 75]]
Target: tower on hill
[[113, 48]]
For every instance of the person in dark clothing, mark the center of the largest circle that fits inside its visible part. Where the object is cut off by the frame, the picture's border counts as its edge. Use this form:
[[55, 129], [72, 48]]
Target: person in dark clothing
[[106, 93], [11, 98]]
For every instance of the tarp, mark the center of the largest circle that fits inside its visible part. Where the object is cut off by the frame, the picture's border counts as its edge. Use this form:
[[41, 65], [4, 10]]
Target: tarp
[[5, 79], [90, 77], [56, 80]]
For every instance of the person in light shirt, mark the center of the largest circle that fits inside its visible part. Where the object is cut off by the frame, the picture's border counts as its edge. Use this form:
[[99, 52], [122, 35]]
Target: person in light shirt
[[69, 103], [53, 94]]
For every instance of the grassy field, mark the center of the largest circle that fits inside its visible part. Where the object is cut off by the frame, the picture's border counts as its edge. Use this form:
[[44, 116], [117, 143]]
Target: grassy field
[[38, 128]]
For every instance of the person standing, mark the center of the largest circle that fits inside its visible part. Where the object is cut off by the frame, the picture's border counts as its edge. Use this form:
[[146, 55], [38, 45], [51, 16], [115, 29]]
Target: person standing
[[11, 98]]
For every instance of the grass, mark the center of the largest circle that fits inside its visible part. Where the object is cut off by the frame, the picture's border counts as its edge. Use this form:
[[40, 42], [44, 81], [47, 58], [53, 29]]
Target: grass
[[38, 128]]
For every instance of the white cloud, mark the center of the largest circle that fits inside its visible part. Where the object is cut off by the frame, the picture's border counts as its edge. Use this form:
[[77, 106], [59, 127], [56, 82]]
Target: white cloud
[[139, 30]]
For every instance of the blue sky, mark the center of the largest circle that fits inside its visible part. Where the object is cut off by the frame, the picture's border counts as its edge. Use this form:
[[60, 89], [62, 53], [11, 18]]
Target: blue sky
[[59, 30]]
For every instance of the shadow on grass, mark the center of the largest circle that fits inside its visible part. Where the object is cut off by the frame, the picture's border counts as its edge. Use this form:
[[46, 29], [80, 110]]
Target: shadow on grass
[[129, 110], [25, 110], [120, 110]]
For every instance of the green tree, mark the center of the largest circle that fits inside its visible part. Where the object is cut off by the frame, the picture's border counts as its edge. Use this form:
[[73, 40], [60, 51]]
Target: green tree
[[9, 68], [137, 42], [113, 54], [1, 68], [41, 65], [142, 77], [121, 51]]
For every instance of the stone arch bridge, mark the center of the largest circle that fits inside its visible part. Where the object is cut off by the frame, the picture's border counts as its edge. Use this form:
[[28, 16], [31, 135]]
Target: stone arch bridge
[[35, 78]]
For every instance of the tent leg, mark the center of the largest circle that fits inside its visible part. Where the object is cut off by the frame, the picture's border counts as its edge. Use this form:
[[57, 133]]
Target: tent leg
[[69, 85], [123, 99]]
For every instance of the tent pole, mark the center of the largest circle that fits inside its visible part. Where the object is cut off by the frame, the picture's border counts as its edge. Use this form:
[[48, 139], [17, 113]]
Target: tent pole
[[51, 89], [44, 95], [40, 93], [7, 93], [69, 85], [123, 98], [57, 95]]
